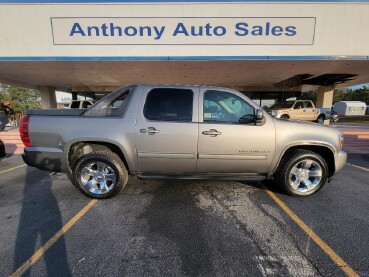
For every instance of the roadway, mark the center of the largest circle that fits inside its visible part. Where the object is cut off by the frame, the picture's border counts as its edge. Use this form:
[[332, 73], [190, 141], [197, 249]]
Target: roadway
[[182, 228]]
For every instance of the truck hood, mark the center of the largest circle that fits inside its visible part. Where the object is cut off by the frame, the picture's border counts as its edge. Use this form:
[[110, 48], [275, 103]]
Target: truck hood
[[302, 131]]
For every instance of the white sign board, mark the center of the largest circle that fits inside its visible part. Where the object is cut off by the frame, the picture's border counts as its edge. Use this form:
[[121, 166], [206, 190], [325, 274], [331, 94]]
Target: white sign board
[[177, 30]]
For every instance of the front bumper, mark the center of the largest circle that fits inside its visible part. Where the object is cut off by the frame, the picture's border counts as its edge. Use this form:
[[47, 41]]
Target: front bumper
[[45, 158], [340, 160]]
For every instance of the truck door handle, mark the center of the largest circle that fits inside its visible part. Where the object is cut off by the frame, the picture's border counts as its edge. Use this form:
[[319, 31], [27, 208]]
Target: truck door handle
[[212, 133], [149, 131], [304, 110]]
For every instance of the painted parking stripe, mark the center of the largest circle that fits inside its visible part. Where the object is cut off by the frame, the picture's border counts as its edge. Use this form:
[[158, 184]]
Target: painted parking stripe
[[360, 167], [10, 169], [325, 247], [41, 251]]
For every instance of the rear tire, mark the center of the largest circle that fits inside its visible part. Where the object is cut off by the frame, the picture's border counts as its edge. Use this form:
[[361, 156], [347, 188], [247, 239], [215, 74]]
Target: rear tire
[[320, 119], [100, 174], [302, 173]]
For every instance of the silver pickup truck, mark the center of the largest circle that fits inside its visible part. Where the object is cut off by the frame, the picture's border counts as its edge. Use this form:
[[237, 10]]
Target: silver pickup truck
[[179, 132]]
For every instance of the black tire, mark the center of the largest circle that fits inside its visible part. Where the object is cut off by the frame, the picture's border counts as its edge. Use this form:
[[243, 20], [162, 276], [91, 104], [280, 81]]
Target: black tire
[[295, 160], [285, 116], [111, 165], [320, 119], [2, 149]]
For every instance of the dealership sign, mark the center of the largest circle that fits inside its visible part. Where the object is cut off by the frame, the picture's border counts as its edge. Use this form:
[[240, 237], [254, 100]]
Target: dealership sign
[[183, 30]]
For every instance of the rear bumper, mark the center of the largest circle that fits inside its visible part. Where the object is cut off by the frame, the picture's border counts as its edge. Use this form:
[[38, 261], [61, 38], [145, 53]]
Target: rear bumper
[[340, 160], [45, 158]]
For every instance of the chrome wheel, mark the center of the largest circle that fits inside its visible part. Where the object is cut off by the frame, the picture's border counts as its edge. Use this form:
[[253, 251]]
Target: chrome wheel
[[305, 176], [98, 177]]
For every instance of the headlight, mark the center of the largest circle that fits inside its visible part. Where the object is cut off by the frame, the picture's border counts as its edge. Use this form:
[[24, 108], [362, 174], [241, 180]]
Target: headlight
[[273, 113], [340, 142]]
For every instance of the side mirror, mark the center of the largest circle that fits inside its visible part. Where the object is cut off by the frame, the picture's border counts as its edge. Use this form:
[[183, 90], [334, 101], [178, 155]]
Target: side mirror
[[259, 117]]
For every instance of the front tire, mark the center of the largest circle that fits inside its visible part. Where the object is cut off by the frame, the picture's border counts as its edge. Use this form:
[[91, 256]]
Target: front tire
[[302, 173], [100, 174]]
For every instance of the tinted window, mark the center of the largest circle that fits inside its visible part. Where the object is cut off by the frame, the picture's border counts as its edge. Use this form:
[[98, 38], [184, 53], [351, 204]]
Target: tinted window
[[226, 107], [75, 105], [298, 105], [166, 104]]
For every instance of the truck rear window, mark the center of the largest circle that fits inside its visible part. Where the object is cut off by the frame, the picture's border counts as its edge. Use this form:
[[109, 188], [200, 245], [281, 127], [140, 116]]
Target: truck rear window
[[112, 105]]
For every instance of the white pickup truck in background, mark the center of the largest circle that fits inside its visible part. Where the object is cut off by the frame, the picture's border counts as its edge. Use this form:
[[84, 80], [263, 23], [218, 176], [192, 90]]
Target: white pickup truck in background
[[300, 110], [80, 104]]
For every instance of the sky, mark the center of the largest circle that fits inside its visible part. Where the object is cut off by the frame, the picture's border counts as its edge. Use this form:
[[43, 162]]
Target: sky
[[358, 86]]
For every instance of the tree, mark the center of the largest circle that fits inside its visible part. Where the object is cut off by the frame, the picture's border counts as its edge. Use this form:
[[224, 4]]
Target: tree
[[20, 99], [342, 94], [346, 94], [309, 95]]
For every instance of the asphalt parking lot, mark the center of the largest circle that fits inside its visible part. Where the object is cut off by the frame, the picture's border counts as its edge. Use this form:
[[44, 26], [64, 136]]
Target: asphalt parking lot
[[182, 228]]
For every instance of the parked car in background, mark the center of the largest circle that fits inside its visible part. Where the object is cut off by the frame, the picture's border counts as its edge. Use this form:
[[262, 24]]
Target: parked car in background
[[334, 116], [299, 110], [179, 132], [347, 108], [81, 104]]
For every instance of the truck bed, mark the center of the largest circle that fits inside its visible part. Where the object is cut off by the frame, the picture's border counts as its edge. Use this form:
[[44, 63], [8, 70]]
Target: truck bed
[[56, 112]]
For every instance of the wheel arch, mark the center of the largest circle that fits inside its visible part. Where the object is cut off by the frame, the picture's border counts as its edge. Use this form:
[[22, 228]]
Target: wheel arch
[[81, 148], [322, 115], [323, 150]]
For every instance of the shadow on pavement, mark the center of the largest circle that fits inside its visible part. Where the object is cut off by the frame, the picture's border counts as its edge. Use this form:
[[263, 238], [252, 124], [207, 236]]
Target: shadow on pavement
[[265, 184], [40, 219]]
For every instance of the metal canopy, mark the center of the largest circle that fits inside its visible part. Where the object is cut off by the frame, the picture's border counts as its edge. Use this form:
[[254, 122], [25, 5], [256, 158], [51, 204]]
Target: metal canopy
[[264, 75]]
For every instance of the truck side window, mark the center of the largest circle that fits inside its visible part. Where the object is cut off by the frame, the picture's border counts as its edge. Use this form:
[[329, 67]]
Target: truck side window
[[223, 106], [308, 105], [298, 105], [167, 104], [112, 105], [75, 105]]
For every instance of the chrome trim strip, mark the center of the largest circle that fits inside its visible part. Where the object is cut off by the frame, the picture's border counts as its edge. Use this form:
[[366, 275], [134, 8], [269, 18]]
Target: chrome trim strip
[[232, 157], [167, 155]]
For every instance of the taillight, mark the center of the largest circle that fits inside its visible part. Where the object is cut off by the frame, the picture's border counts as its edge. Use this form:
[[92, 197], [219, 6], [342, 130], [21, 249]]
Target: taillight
[[24, 130]]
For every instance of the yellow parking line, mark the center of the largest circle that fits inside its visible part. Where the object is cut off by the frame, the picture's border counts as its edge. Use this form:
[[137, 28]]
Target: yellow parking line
[[41, 251], [10, 169], [329, 251], [360, 167]]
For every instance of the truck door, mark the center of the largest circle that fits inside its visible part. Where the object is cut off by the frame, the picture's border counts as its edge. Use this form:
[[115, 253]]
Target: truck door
[[229, 140], [303, 110], [167, 130], [310, 111]]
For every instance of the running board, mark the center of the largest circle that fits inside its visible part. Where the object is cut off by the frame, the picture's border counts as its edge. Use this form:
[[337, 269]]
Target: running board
[[225, 177]]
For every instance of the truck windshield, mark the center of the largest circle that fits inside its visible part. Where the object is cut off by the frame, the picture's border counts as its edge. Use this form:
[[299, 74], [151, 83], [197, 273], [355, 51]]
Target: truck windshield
[[284, 105], [112, 105]]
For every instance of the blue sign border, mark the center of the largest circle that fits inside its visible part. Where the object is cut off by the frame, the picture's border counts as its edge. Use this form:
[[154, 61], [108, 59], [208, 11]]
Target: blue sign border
[[178, 1]]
